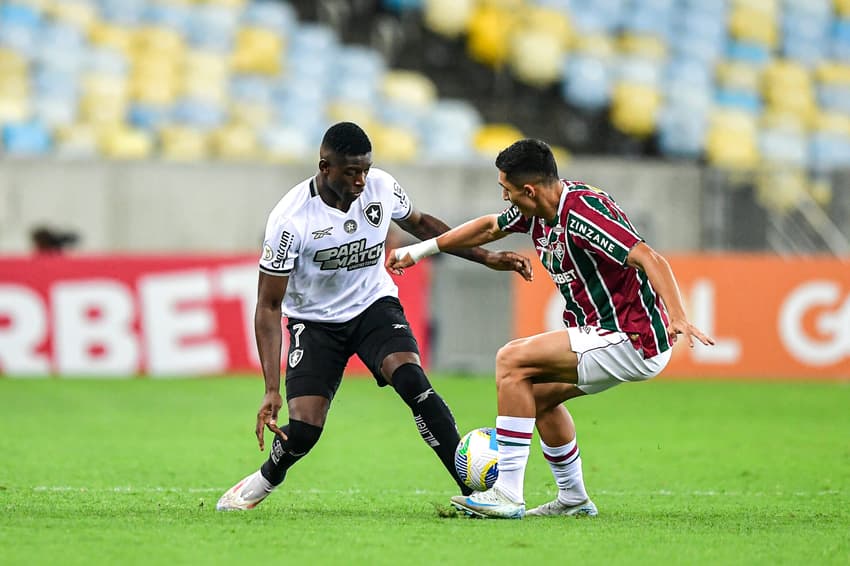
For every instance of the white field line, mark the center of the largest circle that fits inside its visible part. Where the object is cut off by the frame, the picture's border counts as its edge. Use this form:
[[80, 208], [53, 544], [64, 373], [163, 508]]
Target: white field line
[[603, 492]]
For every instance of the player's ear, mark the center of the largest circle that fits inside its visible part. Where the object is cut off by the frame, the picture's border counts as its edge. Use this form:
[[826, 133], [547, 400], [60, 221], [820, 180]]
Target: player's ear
[[529, 190], [324, 165]]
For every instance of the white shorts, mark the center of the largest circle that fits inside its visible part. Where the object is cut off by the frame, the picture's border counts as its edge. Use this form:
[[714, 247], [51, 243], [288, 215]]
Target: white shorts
[[606, 359]]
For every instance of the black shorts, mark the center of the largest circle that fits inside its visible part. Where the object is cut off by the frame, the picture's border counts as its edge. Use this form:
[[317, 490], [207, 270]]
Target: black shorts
[[319, 351]]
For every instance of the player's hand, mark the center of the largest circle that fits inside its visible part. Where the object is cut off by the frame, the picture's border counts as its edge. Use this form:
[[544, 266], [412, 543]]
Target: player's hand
[[510, 261], [397, 260], [680, 326], [267, 417]]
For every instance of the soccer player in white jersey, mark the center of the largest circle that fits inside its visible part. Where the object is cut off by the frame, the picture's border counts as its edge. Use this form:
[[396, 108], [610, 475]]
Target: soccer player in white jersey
[[623, 313], [322, 261]]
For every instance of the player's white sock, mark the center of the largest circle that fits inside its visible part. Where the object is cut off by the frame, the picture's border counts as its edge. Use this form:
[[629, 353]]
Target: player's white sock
[[514, 437], [565, 462]]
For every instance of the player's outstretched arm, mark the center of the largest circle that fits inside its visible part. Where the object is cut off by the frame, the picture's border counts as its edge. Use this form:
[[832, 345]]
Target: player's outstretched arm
[[462, 241], [661, 277], [267, 327]]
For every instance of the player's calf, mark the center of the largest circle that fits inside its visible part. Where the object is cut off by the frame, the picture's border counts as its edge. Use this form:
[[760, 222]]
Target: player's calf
[[432, 416]]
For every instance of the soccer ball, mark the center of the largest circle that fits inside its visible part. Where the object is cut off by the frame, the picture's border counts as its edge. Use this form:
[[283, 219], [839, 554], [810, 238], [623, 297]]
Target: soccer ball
[[477, 459]]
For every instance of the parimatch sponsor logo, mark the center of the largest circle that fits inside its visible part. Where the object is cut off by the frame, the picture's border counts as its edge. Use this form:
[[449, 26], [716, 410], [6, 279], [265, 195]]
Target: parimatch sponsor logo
[[352, 255]]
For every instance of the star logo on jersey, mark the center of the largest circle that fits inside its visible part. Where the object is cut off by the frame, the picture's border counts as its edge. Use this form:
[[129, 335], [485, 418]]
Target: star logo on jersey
[[374, 213], [295, 357], [319, 234], [350, 226]]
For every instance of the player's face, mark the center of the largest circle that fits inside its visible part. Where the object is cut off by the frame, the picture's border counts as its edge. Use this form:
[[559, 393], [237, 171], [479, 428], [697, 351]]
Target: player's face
[[345, 175], [518, 196]]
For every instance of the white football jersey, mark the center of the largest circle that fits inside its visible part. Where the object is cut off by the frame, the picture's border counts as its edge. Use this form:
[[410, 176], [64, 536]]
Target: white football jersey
[[334, 259]]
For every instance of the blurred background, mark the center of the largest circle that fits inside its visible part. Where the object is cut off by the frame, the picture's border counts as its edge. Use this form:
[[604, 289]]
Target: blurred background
[[143, 143]]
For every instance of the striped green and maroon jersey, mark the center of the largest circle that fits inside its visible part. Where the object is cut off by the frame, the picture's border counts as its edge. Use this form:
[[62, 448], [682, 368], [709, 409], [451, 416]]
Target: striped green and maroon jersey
[[584, 249]]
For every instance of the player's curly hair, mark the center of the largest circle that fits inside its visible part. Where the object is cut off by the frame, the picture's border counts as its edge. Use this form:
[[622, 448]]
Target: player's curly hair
[[528, 161], [346, 138]]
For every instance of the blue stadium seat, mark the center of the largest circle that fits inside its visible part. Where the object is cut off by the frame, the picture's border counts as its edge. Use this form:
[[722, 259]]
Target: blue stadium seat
[[587, 82], [26, 139], [279, 17]]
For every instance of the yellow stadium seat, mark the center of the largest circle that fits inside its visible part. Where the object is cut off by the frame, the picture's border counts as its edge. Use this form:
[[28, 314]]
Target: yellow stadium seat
[[178, 143], [597, 45], [489, 30], [409, 88], [833, 72], [490, 139], [112, 36], [393, 144], [786, 73], [206, 63], [647, 46], [250, 114], [14, 108], [634, 108], [549, 21], [796, 100], [448, 17], [77, 140], [731, 141], [738, 76], [781, 189], [12, 62], [80, 14], [205, 76], [821, 191], [348, 111], [747, 24], [202, 88], [773, 118], [843, 8], [123, 142], [835, 122], [257, 51], [160, 42], [235, 143], [14, 85], [228, 3], [102, 109], [536, 57], [766, 7]]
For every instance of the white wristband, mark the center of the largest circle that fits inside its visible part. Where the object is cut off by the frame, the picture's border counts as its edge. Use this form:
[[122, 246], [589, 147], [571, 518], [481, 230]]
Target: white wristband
[[419, 250]]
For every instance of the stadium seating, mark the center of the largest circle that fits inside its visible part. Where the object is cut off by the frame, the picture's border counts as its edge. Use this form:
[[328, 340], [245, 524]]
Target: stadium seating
[[211, 79], [739, 83], [743, 84]]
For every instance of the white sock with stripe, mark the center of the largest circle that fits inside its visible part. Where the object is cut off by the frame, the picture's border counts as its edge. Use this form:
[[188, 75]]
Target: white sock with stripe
[[565, 463], [514, 437]]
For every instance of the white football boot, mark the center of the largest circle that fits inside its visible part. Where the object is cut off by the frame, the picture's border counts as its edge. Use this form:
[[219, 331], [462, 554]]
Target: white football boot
[[246, 494], [584, 509], [489, 504]]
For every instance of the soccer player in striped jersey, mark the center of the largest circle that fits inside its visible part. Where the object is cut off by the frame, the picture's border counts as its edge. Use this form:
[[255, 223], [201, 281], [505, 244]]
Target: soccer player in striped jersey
[[322, 267], [623, 313]]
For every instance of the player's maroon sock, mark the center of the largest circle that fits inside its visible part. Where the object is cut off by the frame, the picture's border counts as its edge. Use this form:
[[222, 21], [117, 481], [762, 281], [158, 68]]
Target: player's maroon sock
[[432, 416]]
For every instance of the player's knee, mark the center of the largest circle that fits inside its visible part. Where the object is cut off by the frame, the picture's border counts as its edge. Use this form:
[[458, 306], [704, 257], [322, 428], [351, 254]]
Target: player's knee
[[410, 382], [508, 366], [302, 437]]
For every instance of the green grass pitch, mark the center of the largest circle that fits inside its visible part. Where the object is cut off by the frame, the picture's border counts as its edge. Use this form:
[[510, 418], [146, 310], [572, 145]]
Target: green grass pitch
[[128, 472]]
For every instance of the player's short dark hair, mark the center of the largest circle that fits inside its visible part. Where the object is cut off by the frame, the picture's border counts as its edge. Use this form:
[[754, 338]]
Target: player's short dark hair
[[347, 139], [527, 161]]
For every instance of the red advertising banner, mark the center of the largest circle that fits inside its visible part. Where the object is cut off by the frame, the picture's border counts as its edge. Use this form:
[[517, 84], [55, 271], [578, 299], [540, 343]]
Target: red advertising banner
[[120, 316], [772, 317]]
